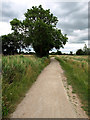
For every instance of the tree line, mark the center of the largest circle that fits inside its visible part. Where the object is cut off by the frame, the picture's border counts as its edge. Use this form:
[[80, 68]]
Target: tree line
[[38, 30], [84, 51]]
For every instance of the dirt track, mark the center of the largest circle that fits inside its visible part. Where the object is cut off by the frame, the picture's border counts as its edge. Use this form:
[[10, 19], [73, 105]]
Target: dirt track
[[47, 98]]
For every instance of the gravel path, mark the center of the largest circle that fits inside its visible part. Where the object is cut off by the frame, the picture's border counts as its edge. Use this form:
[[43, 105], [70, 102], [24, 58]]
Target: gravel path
[[47, 97]]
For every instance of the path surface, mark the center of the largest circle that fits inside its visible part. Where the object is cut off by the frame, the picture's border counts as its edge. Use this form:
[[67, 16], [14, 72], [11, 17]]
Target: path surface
[[47, 98]]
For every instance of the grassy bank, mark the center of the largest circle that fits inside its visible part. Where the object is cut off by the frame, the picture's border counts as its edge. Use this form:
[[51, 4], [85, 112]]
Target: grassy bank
[[76, 71], [19, 73]]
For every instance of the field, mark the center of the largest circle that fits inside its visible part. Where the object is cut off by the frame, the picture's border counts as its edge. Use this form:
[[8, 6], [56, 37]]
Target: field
[[76, 71], [19, 73]]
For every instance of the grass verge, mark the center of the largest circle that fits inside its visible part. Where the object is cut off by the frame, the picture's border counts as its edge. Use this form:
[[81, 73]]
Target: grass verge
[[19, 73], [76, 72]]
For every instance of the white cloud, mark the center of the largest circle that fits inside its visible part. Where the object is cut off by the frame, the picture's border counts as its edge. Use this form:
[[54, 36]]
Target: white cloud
[[71, 47], [5, 28]]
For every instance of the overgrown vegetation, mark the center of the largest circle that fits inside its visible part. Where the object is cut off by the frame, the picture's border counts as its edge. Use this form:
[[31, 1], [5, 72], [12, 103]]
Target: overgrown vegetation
[[19, 73], [76, 71]]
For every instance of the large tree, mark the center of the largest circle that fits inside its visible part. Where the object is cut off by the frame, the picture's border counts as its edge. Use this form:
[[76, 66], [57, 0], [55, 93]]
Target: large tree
[[39, 30]]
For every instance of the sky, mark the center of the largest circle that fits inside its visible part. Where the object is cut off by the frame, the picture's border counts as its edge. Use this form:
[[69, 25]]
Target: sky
[[72, 16]]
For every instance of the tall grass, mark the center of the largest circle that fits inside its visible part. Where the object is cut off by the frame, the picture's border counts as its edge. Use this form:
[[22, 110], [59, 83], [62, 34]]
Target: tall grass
[[19, 73], [76, 71]]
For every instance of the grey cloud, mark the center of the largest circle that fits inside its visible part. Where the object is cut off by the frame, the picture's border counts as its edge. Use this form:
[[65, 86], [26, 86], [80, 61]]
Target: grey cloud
[[66, 9], [8, 12], [79, 38], [76, 19], [77, 42], [11, 10], [73, 16], [68, 28]]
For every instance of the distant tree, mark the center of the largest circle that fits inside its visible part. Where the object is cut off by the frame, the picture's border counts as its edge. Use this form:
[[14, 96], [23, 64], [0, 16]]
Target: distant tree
[[59, 53], [8, 43], [79, 52], [11, 43], [53, 53], [39, 30], [85, 49], [88, 50], [71, 53]]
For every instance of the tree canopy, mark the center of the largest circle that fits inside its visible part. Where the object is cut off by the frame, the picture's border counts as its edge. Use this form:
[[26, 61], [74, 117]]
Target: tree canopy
[[79, 52], [11, 43], [38, 29]]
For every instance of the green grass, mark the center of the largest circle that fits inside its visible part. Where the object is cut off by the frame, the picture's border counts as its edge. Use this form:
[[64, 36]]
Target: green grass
[[76, 71], [19, 73]]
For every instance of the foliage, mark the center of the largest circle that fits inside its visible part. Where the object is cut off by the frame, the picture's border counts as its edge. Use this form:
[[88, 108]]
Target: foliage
[[19, 73], [85, 51], [88, 51], [39, 30], [71, 53], [56, 53], [59, 53], [79, 52], [11, 43]]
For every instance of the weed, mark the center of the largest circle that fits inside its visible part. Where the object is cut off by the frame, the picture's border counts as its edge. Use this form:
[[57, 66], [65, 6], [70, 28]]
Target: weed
[[19, 73], [76, 71]]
